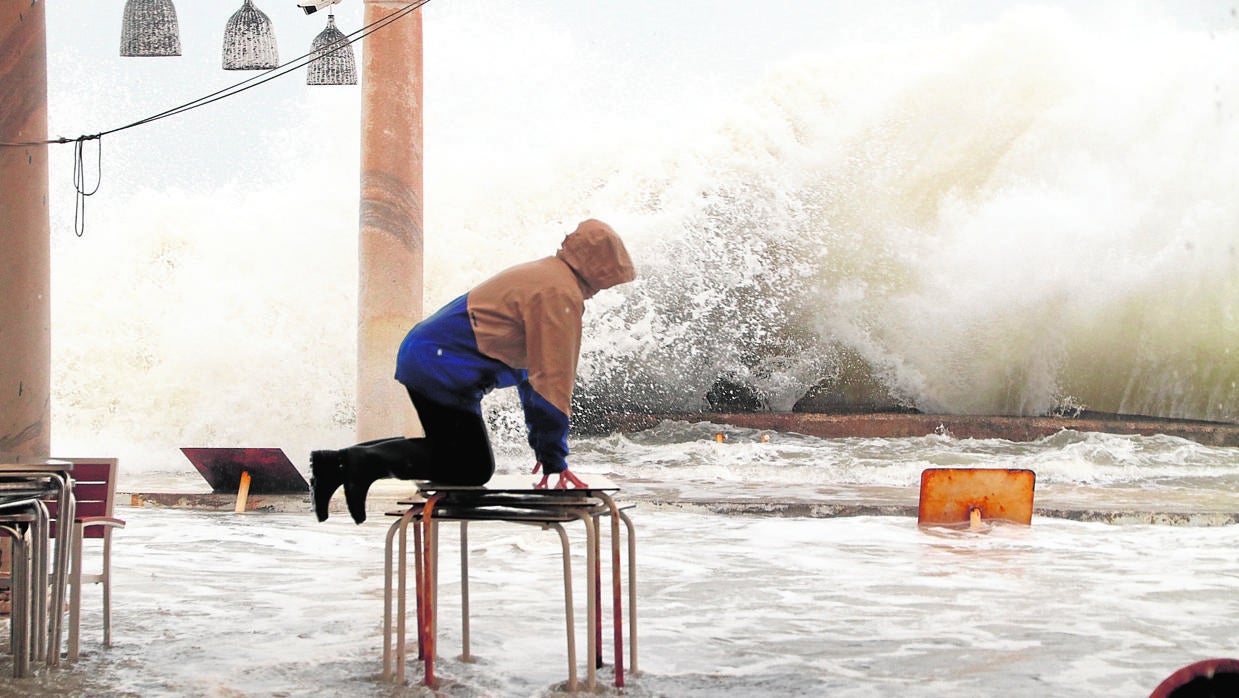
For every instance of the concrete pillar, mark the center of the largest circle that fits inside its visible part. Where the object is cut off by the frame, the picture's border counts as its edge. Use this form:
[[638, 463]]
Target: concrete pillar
[[390, 244], [25, 247]]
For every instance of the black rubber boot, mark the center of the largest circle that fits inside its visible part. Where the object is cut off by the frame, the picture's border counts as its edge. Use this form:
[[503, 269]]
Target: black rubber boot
[[326, 476], [374, 460], [358, 476]]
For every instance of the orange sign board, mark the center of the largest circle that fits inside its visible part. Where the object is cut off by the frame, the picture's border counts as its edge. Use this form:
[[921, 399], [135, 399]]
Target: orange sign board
[[951, 496]]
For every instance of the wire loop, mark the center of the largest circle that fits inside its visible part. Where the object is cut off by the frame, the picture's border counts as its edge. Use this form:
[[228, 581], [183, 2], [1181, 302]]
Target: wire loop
[[79, 180]]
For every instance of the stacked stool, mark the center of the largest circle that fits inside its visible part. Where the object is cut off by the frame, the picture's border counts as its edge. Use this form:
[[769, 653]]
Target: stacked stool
[[510, 499]]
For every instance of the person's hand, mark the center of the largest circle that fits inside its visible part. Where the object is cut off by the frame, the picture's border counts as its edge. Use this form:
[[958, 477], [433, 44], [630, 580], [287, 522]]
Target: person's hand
[[565, 478]]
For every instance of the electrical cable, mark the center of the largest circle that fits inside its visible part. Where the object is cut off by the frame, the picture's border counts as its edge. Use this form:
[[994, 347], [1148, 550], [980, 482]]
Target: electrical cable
[[79, 177], [278, 71], [237, 88]]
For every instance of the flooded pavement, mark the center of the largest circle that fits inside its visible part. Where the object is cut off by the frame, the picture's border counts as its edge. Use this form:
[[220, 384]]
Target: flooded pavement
[[741, 592]]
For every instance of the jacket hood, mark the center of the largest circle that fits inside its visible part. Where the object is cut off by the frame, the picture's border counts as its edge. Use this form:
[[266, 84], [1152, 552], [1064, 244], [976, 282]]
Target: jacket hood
[[597, 254]]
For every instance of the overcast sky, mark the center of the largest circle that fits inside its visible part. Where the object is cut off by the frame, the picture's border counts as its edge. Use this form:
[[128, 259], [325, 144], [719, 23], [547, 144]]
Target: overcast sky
[[492, 66]]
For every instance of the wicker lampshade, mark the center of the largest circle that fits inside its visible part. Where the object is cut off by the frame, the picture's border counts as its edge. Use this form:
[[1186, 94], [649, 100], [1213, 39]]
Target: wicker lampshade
[[333, 62], [249, 40], [150, 28]]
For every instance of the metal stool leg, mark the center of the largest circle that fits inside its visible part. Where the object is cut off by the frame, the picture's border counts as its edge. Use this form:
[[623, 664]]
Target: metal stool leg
[[387, 599], [402, 595], [419, 579], [464, 591], [388, 563], [596, 596], [20, 606], [591, 676], [410, 517], [65, 513], [632, 589], [427, 592], [40, 637], [568, 615], [616, 587]]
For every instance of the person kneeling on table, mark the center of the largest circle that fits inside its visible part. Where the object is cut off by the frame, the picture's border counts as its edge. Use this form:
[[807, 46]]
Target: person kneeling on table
[[521, 328]]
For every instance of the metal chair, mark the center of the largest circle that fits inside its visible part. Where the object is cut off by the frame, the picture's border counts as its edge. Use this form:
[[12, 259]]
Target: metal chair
[[94, 488]]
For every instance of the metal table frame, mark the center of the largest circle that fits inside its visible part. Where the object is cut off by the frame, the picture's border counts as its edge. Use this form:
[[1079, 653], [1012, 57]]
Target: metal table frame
[[506, 499]]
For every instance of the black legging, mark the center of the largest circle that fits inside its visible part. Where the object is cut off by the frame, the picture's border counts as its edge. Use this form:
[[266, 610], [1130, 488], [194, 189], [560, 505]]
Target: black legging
[[456, 449]]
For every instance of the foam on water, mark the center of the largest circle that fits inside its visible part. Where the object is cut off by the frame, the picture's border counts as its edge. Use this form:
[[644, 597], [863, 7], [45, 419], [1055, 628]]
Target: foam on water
[[728, 606], [991, 211]]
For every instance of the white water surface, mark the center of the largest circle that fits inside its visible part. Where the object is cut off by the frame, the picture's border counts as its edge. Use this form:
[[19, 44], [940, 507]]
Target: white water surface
[[216, 604], [276, 604]]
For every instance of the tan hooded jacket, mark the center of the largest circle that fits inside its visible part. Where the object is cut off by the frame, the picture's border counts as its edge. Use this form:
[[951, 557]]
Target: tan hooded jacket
[[529, 316]]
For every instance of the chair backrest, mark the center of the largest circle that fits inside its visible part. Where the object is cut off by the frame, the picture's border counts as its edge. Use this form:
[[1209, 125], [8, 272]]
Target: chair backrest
[[94, 488]]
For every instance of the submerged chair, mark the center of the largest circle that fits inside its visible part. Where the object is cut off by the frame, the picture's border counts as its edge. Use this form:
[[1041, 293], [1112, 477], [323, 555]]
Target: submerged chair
[[94, 488]]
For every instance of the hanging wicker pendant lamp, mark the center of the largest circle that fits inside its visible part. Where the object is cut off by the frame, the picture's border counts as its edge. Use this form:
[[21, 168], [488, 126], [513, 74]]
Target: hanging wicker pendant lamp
[[249, 40], [149, 28], [333, 62]]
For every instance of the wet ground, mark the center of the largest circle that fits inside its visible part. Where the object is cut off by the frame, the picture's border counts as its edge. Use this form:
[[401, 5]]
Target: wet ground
[[790, 567], [275, 604]]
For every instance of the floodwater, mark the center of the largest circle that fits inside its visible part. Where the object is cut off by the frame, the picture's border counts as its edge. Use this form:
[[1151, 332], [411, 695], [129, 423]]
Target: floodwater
[[988, 209], [275, 604]]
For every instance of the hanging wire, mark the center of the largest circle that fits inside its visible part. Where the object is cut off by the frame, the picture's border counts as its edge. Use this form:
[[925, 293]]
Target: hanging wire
[[278, 71], [79, 181], [235, 89]]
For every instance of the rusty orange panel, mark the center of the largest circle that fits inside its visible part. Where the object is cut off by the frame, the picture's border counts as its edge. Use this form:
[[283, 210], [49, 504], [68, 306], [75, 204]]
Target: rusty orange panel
[[949, 495]]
